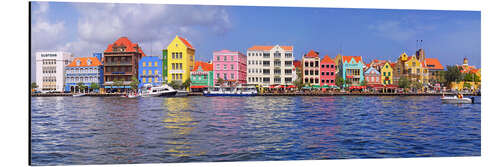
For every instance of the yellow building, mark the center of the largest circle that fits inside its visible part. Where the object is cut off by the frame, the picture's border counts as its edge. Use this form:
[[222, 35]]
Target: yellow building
[[386, 74], [414, 69], [178, 60]]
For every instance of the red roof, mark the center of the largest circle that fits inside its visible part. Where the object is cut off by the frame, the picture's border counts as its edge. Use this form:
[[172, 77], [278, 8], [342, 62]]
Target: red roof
[[348, 58], [297, 63], [83, 62], [433, 64], [186, 42], [257, 47], [129, 46], [312, 54], [327, 59], [393, 64], [205, 66]]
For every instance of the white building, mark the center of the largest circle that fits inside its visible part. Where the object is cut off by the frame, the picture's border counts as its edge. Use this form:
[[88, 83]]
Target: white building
[[270, 65], [50, 70]]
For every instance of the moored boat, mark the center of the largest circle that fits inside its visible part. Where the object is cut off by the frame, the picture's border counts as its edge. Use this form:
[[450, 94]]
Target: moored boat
[[160, 91], [79, 95], [181, 93], [457, 100]]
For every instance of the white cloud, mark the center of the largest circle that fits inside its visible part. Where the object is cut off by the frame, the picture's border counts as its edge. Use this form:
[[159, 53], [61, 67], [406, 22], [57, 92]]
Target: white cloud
[[102, 24]]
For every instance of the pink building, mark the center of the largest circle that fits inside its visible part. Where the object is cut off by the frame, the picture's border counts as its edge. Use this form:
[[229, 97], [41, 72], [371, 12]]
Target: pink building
[[327, 71], [230, 66]]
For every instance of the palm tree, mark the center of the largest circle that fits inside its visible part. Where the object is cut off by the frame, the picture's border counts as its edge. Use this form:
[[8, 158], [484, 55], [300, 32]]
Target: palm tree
[[94, 86], [220, 81], [134, 83], [34, 86], [80, 87], [186, 84]]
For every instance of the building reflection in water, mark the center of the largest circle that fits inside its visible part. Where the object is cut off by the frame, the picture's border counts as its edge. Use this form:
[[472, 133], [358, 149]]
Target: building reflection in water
[[180, 125]]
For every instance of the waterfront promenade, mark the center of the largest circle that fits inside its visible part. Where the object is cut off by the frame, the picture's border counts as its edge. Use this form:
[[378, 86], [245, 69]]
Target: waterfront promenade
[[282, 94]]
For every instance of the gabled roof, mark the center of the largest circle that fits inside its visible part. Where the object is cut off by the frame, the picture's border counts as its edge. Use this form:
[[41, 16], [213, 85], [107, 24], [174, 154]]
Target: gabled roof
[[83, 62], [371, 69], [203, 65], [393, 64], [433, 64], [312, 54], [267, 48], [357, 59], [125, 42], [185, 42], [327, 59]]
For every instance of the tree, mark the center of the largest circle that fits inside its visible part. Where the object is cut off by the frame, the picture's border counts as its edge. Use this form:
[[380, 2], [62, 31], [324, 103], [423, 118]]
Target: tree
[[134, 84], [416, 85], [339, 81], [452, 74], [363, 83], [220, 81], [175, 84], [186, 84], [403, 82], [467, 85], [94, 86], [298, 83], [469, 77], [34, 85], [80, 86]]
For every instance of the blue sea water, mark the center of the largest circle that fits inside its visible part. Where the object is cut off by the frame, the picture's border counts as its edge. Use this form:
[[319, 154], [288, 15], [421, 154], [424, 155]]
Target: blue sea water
[[116, 130]]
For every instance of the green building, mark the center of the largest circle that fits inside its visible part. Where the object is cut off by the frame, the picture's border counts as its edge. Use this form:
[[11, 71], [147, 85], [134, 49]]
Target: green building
[[202, 76]]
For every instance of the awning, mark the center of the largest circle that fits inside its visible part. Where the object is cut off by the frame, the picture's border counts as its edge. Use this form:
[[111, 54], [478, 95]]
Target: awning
[[316, 86], [290, 86], [198, 86], [357, 87]]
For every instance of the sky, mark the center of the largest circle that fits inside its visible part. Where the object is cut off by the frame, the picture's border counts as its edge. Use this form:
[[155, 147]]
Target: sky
[[85, 28]]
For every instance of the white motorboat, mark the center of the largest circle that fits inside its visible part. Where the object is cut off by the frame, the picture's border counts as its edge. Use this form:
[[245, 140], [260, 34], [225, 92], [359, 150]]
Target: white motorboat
[[456, 100], [231, 91], [79, 95], [160, 91], [181, 93]]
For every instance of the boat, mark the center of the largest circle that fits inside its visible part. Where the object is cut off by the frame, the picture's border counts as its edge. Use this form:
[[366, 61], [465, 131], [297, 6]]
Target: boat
[[132, 95], [231, 91], [456, 100], [160, 91], [181, 93], [79, 95]]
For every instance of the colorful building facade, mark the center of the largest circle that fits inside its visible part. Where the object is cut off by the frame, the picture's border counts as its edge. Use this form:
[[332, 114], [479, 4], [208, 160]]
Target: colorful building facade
[[311, 68], [179, 58], [230, 66], [50, 70], [150, 71], [372, 76], [121, 63], [386, 74], [270, 65], [352, 70], [202, 76], [84, 70], [327, 70], [435, 70]]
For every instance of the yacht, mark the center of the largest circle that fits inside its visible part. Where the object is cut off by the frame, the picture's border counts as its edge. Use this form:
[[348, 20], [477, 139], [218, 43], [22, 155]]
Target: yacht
[[160, 91], [457, 100]]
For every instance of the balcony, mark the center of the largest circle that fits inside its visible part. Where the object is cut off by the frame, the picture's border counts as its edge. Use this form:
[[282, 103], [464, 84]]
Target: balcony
[[118, 64], [118, 73]]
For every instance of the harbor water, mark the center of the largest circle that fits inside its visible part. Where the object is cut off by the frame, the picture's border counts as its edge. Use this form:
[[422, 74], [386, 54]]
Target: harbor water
[[117, 130]]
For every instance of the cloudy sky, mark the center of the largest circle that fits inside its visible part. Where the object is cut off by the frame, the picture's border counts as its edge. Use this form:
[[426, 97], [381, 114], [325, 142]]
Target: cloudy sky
[[84, 28]]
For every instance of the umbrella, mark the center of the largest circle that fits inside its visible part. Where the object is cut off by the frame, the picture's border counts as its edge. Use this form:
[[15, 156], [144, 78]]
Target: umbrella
[[316, 86], [306, 87], [290, 86]]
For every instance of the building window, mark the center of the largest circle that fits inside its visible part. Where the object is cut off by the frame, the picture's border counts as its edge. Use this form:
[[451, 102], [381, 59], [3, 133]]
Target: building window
[[180, 66], [150, 80], [180, 57], [225, 58], [225, 66], [149, 64], [156, 64], [218, 58], [149, 72], [156, 72], [218, 66], [232, 76], [232, 67], [173, 57], [143, 72]]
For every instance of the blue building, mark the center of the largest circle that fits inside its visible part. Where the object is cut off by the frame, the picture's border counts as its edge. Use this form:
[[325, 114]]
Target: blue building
[[150, 71], [85, 70], [351, 69]]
